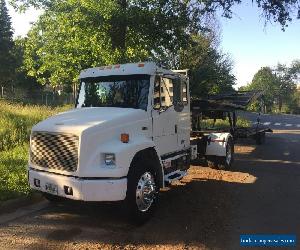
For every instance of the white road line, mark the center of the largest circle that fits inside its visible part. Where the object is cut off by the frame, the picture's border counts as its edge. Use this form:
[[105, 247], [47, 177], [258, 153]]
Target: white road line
[[277, 124], [288, 125], [267, 123], [298, 126]]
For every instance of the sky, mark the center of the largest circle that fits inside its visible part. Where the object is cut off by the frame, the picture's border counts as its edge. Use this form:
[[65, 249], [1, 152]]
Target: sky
[[253, 45], [22, 22], [247, 40]]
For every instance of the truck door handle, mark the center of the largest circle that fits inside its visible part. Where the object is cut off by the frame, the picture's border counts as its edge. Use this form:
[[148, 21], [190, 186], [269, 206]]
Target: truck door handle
[[175, 128]]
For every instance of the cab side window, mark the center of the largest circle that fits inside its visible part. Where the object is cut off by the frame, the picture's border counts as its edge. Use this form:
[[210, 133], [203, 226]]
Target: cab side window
[[167, 96], [163, 92], [157, 90], [184, 91]]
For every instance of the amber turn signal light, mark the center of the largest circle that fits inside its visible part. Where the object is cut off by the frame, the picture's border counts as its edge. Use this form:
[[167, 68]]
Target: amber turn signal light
[[125, 138]]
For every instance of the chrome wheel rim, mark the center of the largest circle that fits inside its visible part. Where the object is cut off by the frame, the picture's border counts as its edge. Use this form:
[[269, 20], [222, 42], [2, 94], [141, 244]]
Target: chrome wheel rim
[[228, 155], [145, 192]]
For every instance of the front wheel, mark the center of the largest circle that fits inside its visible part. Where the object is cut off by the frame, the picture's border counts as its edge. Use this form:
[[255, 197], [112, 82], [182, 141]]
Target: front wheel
[[142, 192]]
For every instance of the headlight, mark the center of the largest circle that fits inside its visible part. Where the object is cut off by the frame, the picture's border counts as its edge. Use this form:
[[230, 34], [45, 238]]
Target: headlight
[[109, 159]]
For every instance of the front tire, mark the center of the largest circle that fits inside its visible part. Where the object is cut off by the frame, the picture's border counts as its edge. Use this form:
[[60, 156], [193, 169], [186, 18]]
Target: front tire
[[142, 192]]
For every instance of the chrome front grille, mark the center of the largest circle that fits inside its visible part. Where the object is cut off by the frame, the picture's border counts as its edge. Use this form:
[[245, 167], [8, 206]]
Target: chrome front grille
[[54, 151]]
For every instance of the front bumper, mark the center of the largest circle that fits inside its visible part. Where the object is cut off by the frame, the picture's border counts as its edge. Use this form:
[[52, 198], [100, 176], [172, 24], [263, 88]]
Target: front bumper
[[83, 189]]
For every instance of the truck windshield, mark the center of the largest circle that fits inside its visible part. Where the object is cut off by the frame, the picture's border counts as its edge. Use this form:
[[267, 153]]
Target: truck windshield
[[114, 91]]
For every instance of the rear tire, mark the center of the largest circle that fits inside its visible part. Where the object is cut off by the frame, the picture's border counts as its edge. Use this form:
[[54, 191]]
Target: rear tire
[[226, 162], [223, 162], [142, 191], [260, 138], [212, 162]]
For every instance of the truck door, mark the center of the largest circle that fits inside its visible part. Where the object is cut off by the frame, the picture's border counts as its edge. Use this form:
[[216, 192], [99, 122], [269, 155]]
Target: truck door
[[183, 113], [165, 127]]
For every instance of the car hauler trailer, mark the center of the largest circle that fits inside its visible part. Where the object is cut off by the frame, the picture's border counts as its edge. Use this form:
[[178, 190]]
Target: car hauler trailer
[[227, 106], [127, 137]]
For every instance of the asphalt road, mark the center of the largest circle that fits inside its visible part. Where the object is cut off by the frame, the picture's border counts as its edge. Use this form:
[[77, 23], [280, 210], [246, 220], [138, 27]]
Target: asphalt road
[[208, 209], [274, 121]]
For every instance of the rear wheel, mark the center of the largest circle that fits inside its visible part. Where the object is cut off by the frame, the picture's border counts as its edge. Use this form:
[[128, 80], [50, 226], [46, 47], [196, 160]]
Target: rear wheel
[[142, 192], [212, 162], [222, 162], [260, 138], [227, 160]]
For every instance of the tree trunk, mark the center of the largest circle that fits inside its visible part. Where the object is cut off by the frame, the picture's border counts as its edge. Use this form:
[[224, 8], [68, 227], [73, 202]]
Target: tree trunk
[[279, 103], [74, 90]]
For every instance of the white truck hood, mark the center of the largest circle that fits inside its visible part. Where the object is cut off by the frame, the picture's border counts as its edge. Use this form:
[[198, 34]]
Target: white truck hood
[[76, 121]]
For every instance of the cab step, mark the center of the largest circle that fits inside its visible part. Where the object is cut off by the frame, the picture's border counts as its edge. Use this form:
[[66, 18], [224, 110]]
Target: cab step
[[176, 175]]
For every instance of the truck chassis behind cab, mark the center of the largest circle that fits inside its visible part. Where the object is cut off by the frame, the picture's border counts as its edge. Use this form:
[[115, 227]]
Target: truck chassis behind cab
[[128, 136]]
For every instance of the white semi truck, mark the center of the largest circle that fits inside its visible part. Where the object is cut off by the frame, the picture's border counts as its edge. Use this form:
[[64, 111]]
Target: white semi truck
[[128, 136]]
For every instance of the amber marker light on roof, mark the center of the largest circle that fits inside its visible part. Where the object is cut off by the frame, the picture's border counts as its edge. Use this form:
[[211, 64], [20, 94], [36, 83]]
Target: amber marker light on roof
[[125, 138], [117, 66], [140, 65]]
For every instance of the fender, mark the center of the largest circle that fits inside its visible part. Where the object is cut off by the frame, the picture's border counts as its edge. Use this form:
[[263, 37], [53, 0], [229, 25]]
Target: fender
[[94, 166], [157, 164], [127, 154], [217, 144]]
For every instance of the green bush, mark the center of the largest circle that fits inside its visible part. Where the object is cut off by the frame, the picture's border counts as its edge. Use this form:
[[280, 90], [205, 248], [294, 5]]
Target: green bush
[[223, 124]]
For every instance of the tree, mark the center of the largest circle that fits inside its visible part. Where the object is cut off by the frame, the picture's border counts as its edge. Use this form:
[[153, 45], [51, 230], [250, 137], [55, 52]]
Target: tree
[[294, 70], [278, 86], [72, 35], [282, 12], [22, 81], [294, 102], [6, 46], [266, 81], [286, 86], [210, 70]]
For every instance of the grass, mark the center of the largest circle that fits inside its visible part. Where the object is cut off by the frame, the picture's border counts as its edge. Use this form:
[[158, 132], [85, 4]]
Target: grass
[[16, 121]]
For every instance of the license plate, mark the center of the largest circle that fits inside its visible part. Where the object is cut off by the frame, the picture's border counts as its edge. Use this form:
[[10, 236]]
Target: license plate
[[51, 188]]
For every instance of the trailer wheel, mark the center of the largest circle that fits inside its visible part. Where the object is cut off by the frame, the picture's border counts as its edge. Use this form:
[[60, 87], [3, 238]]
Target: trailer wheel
[[260, 138], [227, 161], [142, 191], [212, 162]]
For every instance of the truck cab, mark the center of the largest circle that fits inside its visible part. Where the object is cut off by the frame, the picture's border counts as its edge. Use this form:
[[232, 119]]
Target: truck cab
[[127, 137]]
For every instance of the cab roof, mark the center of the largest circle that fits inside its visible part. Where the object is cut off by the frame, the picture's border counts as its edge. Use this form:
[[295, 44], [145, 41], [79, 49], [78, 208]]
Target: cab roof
[[142, 68]]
